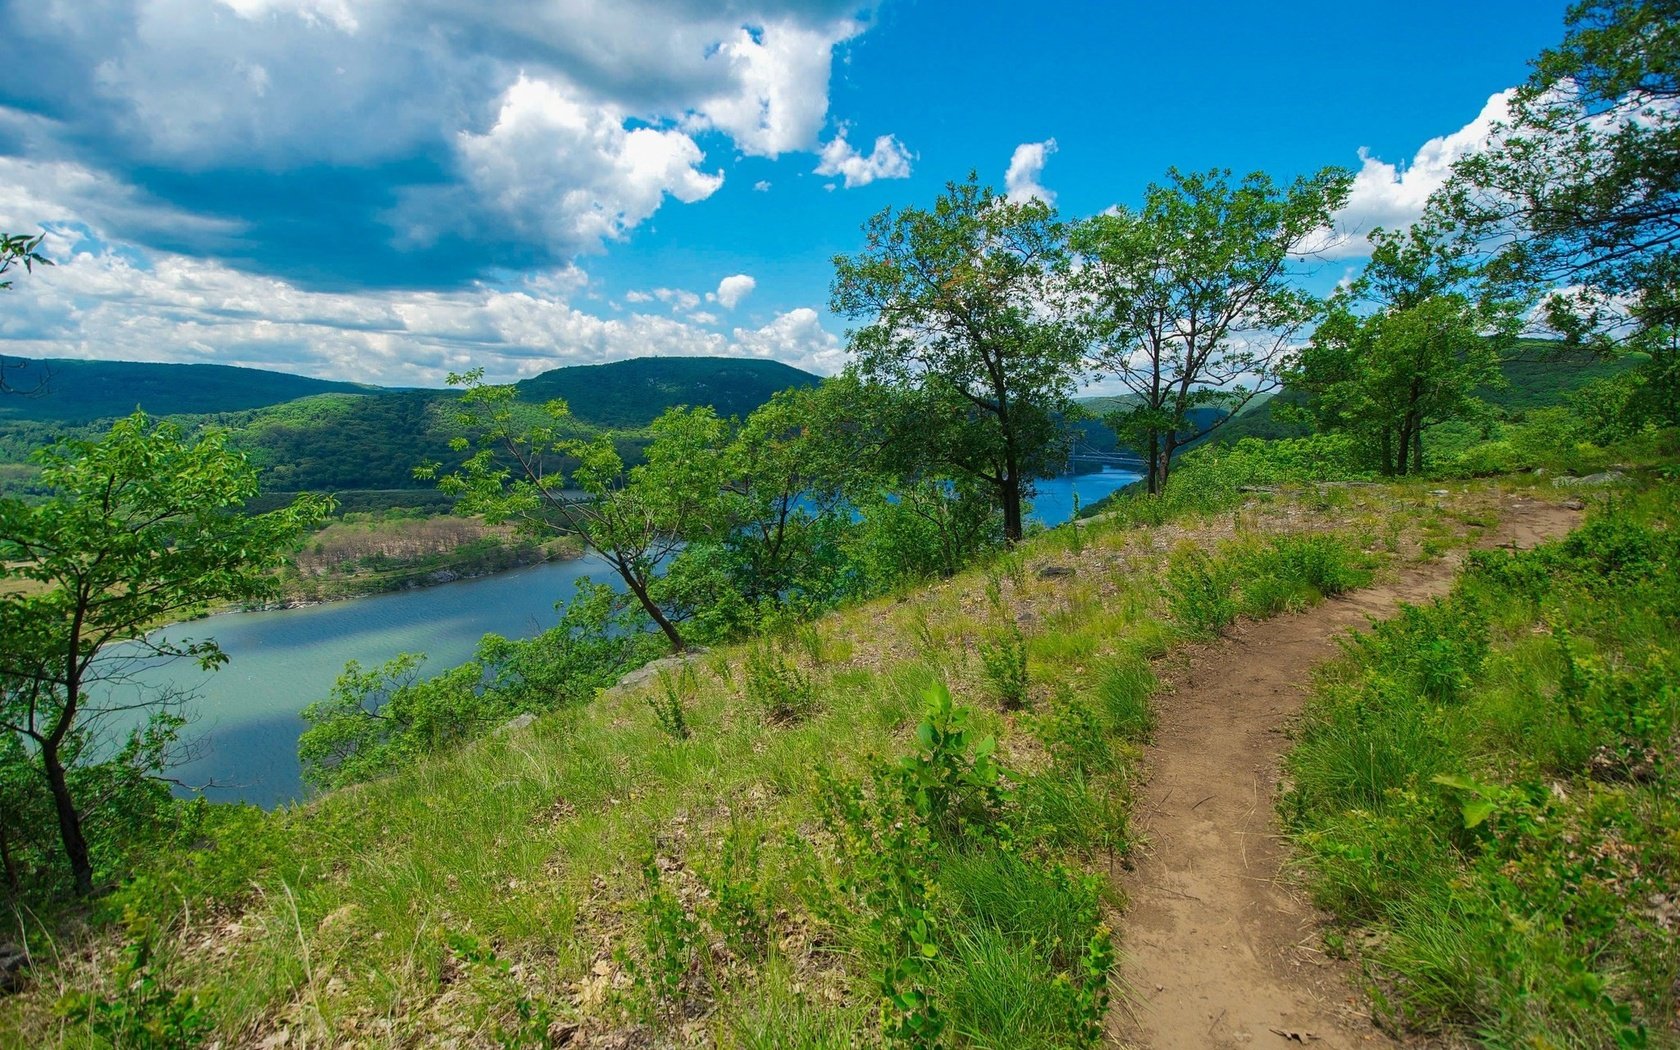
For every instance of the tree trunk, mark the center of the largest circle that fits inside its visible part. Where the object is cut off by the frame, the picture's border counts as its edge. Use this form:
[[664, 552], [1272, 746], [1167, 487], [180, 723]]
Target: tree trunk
[[1417, 448], [12, 880], [1154, 462], [69, 821], [1010, 493], [1163, 466], [651, 607]]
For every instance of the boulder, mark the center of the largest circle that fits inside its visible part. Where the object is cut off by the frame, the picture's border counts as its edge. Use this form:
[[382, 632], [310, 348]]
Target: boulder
[[515, 724], [14, 961]]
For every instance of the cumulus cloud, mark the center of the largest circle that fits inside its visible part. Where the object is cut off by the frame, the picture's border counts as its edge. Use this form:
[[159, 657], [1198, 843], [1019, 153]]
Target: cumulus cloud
[[386, 128], [795, 337], [1393, 196], [887, 160], [104, 303], [732, 289], [778, 95], [1026, 167], [559, 170]]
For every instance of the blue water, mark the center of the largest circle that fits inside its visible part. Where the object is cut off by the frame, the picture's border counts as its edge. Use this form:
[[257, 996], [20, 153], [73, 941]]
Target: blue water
[[244, 734]]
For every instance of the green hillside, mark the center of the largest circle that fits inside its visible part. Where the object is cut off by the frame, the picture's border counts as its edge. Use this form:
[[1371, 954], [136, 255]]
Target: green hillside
[[85, 391], [307, 434], [633, 393]]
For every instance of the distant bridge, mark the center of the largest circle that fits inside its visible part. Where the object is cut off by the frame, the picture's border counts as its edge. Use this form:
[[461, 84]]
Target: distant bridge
[[1083, 454]]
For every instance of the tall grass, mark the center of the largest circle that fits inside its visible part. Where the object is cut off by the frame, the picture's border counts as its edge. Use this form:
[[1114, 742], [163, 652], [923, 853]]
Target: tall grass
[[1491, 784]]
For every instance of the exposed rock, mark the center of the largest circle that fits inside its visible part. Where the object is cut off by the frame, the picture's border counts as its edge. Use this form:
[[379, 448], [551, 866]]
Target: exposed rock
[[1603, 477], [13, 962], [515, 724], [649, 671]]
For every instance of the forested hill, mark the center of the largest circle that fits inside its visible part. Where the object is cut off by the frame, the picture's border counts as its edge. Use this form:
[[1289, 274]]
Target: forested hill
[[307, 434], [65, 391], [633, 393]]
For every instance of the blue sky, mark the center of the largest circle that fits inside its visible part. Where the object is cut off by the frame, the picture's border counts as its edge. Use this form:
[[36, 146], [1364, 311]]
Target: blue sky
[[387, 190]]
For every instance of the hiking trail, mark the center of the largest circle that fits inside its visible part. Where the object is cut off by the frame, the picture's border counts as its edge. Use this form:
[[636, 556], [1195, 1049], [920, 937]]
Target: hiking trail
[[1219, 947]]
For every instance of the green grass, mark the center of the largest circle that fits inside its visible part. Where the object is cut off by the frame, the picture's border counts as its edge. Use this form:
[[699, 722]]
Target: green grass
[[1489, 785], [501, 884]]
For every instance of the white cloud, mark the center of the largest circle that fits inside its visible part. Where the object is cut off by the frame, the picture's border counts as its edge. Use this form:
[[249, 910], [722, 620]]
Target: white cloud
[[100, 303], [761, 186], [796, 337], [778, 97], [679, 299], [888, 160], [567, 173], [732, 290], [1026, 167], [1393, 197], [569, 121]]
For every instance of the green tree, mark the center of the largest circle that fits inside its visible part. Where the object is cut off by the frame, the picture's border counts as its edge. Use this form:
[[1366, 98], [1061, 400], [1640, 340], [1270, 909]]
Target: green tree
[[1189, 302], [1406, 345], [964, 300], [532, 468], [1582, 185], [1580, 192], [773, 544], [142, 527], [18, 249]]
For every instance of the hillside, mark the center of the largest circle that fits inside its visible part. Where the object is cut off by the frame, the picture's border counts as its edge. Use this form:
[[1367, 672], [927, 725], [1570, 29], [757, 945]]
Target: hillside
[[312, 435], [1536, 378], [85, 391], [632, 393]]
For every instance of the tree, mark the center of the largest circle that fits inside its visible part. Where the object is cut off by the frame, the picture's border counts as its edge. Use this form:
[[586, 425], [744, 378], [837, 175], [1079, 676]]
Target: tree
[[772, 545], [1406, 345], [143, 527], [527, 458], [964, 300], [1579, 192], [18, 249], [1189, 303]]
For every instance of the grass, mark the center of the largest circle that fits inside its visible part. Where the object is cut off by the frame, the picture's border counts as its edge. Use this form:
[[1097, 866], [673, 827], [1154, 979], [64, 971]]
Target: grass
[[1487, 786], [503, 884]]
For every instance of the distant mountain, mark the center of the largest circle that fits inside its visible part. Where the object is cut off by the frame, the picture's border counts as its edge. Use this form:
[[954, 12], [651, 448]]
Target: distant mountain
[[65, 391], [308, 434], [633, 393]]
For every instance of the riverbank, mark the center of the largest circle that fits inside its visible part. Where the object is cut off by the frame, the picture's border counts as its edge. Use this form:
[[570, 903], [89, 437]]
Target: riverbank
[[364, 554]]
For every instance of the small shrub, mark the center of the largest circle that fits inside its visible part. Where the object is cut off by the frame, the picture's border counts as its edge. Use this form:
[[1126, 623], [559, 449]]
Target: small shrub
[[147, 1013], [668, 703], [670, 946], [1004, 660], [1199, 593], [781, 692]]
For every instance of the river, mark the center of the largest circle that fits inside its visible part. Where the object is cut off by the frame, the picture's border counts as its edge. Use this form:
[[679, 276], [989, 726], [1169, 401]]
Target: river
[[245, 730]]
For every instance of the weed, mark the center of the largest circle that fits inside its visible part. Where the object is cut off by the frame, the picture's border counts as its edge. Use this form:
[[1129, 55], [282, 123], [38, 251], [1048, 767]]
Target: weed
[[1199, 592], [781, 692], [1004, 659], [670, 945], [147, 1013], [669, 703]]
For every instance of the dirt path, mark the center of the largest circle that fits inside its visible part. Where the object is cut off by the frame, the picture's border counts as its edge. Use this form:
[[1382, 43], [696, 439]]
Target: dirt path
[[1219, 950]]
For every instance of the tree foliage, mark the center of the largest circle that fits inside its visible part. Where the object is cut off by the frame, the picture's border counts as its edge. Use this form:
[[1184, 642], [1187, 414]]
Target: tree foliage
[[963, 301], [1189, 300], [1407, 345], [139, 531]]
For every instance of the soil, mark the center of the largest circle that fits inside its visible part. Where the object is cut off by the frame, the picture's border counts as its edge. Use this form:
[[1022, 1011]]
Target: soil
[[1221, 948]]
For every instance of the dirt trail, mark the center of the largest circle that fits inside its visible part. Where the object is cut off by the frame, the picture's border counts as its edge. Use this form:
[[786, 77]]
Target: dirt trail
[[1220, 951]]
